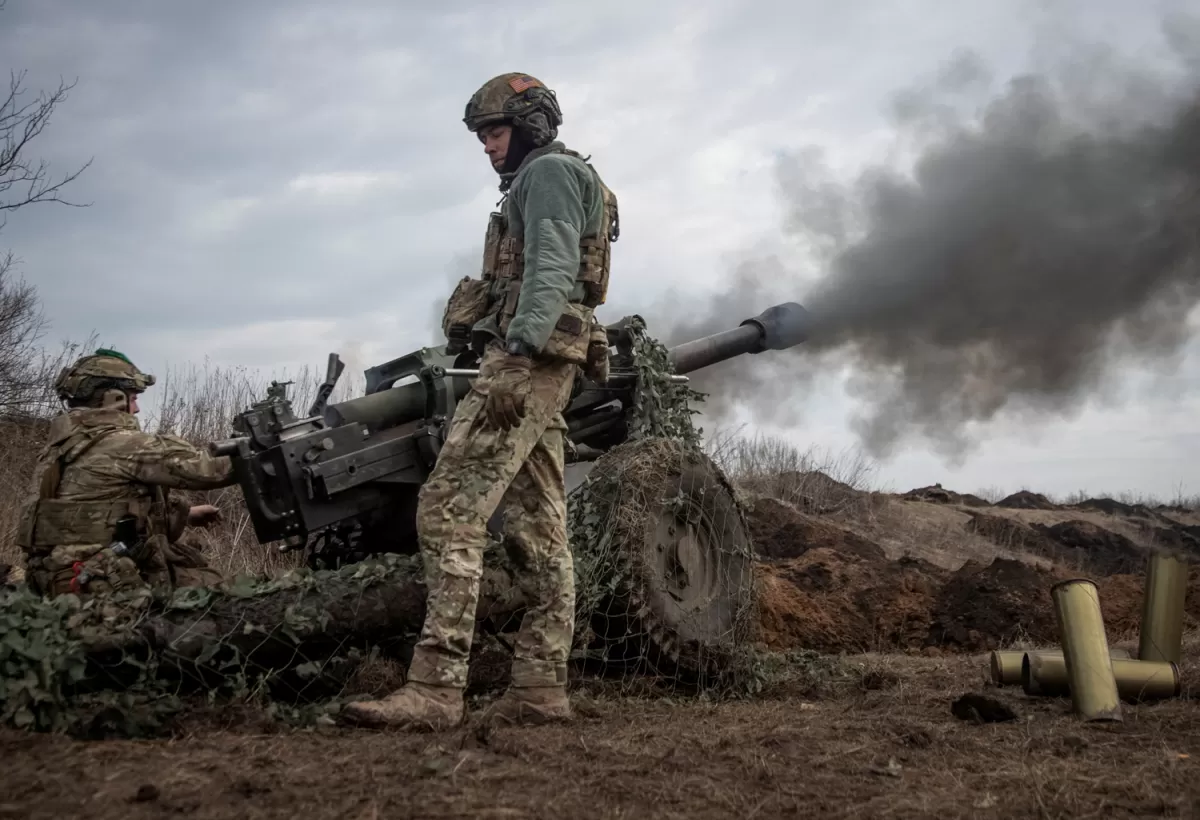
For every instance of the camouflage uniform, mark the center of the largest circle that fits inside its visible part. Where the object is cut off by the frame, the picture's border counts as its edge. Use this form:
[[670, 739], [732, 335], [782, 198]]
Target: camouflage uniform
[[100, 479], [545, 269], [479, 468]]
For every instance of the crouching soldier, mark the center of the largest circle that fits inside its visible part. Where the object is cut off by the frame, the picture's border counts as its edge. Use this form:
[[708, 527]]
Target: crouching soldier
[[99, 517]]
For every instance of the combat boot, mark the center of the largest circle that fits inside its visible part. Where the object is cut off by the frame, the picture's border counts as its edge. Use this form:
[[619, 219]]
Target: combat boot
[[529, 706], [417, 706]]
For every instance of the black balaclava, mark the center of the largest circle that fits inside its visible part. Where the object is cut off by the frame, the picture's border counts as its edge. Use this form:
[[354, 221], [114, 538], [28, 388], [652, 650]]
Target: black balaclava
[[519, 146]]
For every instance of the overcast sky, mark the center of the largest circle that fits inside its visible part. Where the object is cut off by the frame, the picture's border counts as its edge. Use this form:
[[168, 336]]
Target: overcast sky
[[273, 181]]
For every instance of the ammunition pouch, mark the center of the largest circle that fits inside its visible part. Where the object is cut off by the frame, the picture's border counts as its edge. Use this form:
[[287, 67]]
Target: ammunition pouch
[[596, 368], [595, 253], [468, 304], [69, 522]]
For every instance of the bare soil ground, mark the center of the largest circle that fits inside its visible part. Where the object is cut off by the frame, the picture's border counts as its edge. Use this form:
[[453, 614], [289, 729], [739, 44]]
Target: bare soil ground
[[884, 746]]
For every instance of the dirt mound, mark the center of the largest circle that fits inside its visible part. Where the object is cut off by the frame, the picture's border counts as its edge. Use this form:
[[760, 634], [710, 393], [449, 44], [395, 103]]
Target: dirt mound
[[1093, 548], [937, 494], [824, 596], [1011, 534], [1110, 506], [1025, 500], [811, 491], [780, 531], [834, 602], [1121, 603], [981, 608], [820, 489], [1179, 538]]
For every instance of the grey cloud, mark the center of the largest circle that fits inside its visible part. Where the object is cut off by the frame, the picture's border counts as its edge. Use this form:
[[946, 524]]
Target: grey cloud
[[1027, 260], [192, 112]]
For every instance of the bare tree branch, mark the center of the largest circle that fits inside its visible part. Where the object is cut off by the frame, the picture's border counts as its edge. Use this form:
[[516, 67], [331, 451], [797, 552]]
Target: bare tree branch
[[24, 181], [26, 371]]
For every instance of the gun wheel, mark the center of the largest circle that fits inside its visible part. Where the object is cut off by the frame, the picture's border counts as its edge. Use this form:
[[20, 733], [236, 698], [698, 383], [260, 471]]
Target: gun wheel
[[667, 580]]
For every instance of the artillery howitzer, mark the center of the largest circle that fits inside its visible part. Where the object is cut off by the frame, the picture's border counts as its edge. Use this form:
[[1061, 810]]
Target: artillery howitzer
[[342, 481]]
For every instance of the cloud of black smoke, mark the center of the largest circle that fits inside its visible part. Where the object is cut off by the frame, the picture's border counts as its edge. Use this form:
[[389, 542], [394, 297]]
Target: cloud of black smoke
[[1030, 252]]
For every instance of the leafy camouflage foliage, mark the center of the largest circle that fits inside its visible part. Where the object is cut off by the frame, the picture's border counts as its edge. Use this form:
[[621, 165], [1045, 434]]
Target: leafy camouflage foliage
[[661, 408], [39, 659], [107, 666]]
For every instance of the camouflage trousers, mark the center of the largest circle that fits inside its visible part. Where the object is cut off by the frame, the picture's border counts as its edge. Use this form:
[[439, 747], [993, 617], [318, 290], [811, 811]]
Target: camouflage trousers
[[480, 468]]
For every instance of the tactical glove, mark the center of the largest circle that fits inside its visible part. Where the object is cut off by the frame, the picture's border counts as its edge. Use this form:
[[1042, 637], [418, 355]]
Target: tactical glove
[[596, 368], [509, 388]]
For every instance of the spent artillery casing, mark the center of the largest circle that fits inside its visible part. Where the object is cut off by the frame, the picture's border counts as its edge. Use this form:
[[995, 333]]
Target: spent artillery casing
[[1085, 650], [1007, 664], [1162, 608], [1046, 674]]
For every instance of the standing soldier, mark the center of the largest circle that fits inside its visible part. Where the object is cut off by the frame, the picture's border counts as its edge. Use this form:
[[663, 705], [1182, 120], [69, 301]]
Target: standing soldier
[[545, 268], [99, 518]]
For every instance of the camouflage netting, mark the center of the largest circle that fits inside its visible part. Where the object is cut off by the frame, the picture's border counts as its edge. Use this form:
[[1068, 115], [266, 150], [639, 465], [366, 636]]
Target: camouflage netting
[[295, 639], [664, 586], [664, 592], [661, 408]]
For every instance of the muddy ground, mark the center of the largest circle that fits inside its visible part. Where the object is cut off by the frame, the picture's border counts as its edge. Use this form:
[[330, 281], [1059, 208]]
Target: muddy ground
[[882, 744], [902, 595]]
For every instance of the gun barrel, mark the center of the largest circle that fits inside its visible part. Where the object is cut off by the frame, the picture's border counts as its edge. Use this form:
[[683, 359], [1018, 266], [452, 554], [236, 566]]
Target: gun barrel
[[615, 378], [776, 328], [385, 408]]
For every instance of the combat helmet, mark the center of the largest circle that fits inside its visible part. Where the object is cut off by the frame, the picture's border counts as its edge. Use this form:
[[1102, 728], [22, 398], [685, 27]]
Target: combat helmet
[[520, 100], [88, 380]]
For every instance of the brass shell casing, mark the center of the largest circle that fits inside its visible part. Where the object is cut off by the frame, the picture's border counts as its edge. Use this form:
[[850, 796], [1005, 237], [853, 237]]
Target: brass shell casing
[[1137, 681], [1161, 635], [1085, 650], [1006, 664]]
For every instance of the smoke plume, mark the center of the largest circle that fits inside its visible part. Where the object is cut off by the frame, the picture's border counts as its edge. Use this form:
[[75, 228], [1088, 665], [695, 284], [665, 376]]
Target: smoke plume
[[1032, 249]]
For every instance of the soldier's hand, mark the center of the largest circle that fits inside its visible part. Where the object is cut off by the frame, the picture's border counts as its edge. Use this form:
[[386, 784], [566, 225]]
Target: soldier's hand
[[203, 515], [508, 389]]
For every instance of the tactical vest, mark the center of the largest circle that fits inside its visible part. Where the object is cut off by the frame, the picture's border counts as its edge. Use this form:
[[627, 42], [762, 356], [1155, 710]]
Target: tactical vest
[[48, 521], [498, 291]]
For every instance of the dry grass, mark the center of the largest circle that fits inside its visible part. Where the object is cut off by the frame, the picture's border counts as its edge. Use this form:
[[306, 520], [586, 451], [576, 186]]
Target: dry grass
[[934, 533], [812, 480], [884, 744]]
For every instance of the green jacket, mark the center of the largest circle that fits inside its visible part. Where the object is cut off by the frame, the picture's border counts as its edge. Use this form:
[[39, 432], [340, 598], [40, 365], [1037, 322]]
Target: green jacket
[[553, 200]]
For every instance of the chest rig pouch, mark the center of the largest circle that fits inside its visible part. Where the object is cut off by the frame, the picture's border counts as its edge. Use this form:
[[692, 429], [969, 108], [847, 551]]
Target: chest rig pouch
[[577, 336]]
